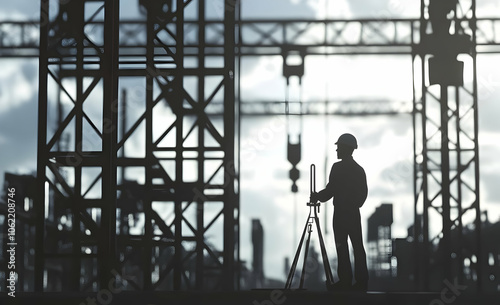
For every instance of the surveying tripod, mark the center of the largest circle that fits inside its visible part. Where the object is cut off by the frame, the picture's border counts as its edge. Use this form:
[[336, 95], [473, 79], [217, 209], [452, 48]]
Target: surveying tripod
[[311, 218]]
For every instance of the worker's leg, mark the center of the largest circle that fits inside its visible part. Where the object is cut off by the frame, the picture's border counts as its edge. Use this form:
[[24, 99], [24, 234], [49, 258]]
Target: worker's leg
[[344, 262], [360, 268]]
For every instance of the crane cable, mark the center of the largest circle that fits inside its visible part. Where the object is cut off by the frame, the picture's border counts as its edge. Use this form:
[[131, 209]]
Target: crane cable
[[288, 129]]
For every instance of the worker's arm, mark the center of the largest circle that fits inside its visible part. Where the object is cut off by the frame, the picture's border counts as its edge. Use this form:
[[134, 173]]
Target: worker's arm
[[363, 191], [328, 192]]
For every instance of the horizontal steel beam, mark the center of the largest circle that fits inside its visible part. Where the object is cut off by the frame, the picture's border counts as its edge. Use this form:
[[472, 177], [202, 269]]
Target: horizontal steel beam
[[266, 37], [344, 108]]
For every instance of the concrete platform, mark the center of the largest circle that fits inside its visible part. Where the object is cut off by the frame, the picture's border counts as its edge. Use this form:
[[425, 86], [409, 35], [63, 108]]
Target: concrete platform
[[254, 297]]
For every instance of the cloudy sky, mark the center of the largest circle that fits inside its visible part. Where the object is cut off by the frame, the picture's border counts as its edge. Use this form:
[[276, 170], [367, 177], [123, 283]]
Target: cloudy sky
[[385, 143]]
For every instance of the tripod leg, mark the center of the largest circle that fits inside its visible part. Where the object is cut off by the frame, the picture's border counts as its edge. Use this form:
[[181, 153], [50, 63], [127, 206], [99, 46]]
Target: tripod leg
[[296, 258], [306, 251], [326, 263]]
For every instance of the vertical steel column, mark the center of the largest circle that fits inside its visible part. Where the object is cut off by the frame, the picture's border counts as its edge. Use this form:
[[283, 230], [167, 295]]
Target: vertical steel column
[[238, 39], [476, 203], [77, 200], [445, 242], [123, 130], [42, 150], [200, 204], [179, 85], [107, 252], [422, 261], [230, 199], [148, 187], [459, 197]]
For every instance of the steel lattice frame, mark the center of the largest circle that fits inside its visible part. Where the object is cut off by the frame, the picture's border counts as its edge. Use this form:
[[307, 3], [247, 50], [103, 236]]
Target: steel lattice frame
[[446, 159], [83, 225], [85, 64]]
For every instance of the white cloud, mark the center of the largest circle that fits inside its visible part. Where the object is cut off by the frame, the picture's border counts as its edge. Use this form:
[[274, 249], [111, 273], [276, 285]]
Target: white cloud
[[488, 79], [262, 78], [343, 9], [15, 88], [20, 10], [368, 77], [265, 9], [487, 8]]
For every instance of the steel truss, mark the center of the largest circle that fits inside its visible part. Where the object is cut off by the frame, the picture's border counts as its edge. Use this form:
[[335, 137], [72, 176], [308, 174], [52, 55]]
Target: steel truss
[[184, 168], [269, 37], [85, 210], [104, 51], [445, 118]]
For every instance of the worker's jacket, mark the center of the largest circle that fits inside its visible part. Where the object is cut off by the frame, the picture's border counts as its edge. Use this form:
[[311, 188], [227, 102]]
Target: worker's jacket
[[347, 185]]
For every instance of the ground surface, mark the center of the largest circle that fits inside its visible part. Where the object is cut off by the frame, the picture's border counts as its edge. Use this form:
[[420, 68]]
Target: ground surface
[[254, 297]]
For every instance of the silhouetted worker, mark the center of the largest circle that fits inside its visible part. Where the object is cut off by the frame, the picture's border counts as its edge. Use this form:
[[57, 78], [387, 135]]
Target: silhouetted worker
[[347, 185], [438, 15]]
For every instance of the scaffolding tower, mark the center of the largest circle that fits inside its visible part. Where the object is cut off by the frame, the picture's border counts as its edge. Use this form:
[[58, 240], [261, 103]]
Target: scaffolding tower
[[446, 143], [183, 161]]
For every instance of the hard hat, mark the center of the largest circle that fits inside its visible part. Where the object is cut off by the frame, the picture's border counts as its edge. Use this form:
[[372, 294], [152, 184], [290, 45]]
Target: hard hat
[[348, 140]]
